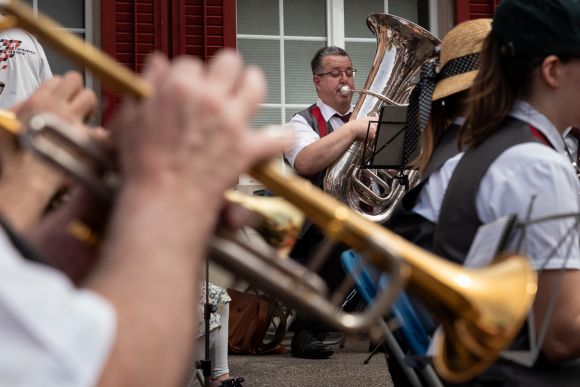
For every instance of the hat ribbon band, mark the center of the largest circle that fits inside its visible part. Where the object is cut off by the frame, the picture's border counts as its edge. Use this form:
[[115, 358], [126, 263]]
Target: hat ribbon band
[[460, 65]]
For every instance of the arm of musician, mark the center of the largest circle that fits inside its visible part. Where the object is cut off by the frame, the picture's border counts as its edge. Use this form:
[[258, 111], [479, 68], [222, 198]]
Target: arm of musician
[[318, 155], [552, 245], [27, 184], [179, 151], [562, 340]]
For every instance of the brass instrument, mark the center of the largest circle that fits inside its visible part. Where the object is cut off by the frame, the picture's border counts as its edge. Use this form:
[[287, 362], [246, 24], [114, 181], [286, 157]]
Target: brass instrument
[[346, 90], [402, 47], [62, 144], [480, 310]]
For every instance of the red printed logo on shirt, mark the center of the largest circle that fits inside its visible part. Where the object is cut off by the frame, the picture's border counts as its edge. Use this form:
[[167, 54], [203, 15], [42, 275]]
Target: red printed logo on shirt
[[8, 49]]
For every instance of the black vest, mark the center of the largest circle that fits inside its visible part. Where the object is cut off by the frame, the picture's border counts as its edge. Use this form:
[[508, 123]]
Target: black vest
[[458, 220]]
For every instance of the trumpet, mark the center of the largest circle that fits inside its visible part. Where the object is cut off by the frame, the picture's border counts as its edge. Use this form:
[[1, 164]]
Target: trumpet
[[480, 310]]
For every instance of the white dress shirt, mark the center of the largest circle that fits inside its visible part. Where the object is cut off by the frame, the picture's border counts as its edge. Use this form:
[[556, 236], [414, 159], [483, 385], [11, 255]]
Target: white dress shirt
[[305, 134], [51, 333]]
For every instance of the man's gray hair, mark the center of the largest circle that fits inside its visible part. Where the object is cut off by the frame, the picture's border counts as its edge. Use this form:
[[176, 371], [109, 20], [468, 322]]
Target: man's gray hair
[[316, 63]]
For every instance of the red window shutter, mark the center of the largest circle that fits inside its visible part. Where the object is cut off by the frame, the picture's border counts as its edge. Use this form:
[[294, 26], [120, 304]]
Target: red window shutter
[[474, 9], [131, 29], [202, 27]]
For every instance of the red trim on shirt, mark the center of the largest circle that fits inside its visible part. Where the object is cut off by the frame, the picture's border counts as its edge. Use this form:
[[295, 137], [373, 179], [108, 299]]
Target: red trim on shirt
[[540, 136], [317, 114]]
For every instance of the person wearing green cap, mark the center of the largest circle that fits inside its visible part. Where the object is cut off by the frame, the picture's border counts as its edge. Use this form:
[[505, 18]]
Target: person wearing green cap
[[525, 96]]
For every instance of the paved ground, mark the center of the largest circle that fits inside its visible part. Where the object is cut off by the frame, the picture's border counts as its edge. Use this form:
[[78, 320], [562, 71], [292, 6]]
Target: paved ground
[[344, 368]]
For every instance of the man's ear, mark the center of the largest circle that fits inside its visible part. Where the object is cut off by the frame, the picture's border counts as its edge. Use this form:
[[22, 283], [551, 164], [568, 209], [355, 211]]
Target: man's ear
[[316, 81], [551, 71]]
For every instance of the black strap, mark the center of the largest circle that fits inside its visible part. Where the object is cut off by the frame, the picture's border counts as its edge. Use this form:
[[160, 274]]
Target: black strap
[[419, 109]]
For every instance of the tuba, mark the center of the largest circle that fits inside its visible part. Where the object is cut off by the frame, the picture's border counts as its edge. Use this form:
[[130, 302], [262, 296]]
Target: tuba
[[402, 48]]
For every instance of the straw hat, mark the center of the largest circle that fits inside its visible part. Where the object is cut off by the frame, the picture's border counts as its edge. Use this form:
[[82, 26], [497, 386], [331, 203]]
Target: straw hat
[[464, 39]]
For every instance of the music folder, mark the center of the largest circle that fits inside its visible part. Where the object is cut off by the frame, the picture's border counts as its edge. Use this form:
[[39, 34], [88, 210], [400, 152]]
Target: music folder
[[388, 143]]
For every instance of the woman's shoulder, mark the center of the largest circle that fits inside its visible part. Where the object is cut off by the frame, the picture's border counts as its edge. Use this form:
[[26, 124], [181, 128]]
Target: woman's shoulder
[[535, 166], [532, 154]]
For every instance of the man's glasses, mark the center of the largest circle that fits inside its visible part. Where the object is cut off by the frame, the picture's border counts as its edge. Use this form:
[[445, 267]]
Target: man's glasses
[[337, 73]]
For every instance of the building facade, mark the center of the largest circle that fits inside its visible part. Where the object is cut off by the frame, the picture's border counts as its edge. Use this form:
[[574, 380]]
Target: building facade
[[278, 35]]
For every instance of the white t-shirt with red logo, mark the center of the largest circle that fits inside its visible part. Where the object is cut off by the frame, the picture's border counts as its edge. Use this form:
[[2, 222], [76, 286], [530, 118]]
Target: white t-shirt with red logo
[[23, 66]]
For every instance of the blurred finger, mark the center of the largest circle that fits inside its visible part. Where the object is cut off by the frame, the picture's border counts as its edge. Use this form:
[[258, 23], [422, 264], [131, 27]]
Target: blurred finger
[[155, 66], [50, 86], [234, 217], [185, 76], [224, 71], [266, 145], [16, 108], [44, 93], [72, 83], [101, 136], [251, 92], [83, 105], [372, 130]]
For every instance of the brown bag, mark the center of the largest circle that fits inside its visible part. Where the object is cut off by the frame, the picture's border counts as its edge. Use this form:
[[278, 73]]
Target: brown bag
[[251, 315]]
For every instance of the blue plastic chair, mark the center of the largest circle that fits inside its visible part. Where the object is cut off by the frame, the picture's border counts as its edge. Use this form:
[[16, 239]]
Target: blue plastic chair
[[368, 281]]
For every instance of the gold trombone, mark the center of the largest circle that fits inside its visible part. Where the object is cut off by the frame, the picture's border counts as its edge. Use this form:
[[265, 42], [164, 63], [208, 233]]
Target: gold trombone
[[480, 310]]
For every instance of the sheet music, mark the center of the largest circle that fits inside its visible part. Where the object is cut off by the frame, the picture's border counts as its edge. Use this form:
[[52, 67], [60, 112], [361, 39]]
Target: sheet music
[[388, 143]]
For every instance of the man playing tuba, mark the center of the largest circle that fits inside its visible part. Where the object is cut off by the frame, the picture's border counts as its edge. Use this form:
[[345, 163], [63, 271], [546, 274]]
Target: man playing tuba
[[323, 132]]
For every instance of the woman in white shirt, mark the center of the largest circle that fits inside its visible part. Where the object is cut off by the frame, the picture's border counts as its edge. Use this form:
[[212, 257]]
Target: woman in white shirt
[[524, 97]]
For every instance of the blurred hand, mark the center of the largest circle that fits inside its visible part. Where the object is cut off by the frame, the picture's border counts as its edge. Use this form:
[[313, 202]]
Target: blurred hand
[[27, 184], [194, 129], [63, 95]]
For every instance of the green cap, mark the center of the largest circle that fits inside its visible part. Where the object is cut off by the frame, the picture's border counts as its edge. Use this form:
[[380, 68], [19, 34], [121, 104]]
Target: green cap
[[532, 28]]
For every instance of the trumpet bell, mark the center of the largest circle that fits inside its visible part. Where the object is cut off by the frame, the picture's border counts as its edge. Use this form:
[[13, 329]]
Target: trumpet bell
[[279, 222], [473, 341]]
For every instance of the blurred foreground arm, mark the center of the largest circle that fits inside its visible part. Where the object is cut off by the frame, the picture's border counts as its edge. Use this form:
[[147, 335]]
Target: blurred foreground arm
[[179, 151]]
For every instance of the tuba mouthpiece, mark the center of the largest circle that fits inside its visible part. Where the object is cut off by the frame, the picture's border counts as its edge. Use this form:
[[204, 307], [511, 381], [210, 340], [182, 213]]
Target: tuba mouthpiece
[[345, 90]]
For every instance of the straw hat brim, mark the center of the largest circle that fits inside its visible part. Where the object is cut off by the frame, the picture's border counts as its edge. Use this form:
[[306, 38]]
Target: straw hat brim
[[454, 84]]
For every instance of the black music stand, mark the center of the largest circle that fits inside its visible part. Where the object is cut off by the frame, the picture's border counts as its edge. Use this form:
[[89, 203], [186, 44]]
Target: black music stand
[[388, 145], [394, 144]]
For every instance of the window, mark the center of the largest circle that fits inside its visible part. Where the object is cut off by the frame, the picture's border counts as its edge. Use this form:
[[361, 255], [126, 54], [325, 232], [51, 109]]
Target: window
[[74, 16], [281, 36]]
